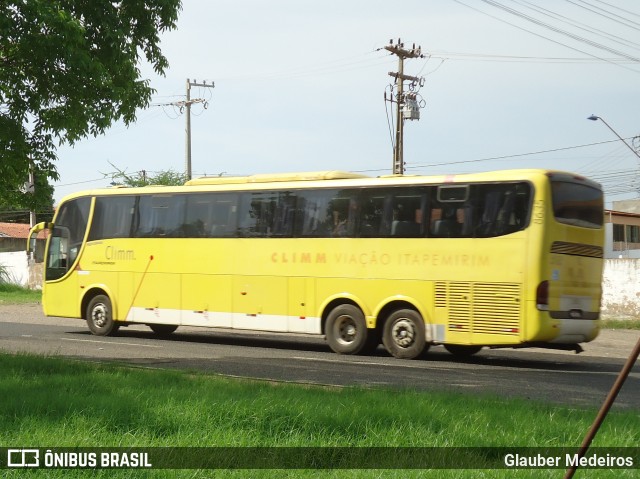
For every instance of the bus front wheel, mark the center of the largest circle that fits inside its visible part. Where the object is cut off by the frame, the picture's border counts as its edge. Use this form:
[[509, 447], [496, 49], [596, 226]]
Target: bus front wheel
[[404, 334], [347, 330], [100, 316]]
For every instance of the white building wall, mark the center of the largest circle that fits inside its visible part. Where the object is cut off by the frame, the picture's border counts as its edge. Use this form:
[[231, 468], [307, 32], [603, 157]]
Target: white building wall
[[621, 288], [15, 264]]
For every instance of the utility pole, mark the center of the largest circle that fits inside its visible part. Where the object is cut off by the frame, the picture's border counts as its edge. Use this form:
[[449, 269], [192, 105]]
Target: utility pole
[[187, 104], [187, 131], [29, 187], [406, 104], [32, 190]]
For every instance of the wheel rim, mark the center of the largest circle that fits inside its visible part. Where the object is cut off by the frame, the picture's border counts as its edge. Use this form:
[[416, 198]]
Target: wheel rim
[[347, 329], [403, 333], [99, 315]]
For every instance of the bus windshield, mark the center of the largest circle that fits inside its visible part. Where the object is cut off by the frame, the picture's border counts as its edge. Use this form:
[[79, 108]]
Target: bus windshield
[[67, 236]]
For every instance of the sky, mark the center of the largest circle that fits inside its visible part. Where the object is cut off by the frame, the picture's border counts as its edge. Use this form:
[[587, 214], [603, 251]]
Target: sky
[[300, 86]]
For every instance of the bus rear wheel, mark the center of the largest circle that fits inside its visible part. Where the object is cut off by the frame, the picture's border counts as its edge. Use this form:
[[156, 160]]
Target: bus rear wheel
[[100, 316], [404, 334], [346, 330]]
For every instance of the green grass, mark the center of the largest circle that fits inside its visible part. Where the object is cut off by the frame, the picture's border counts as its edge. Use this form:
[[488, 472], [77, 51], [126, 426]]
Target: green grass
[[614, 323], [53, 402], [13, 294]]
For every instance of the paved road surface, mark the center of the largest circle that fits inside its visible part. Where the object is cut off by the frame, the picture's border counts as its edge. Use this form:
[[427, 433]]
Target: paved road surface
[[561, 377]]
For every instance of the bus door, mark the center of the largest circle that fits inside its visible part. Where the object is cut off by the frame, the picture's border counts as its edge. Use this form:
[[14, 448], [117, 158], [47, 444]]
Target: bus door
[[62, 259]]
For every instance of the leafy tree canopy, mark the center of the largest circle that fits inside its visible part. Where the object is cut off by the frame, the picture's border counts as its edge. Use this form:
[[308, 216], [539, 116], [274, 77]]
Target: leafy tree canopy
[[69, 69], [15, 205], [144, 178]]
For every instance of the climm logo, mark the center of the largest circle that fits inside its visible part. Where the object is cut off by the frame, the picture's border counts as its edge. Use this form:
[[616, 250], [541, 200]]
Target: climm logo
[[305, 257], [116, 254]]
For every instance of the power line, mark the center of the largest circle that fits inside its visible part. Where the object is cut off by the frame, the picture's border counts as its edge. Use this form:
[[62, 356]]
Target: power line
[[79, 182], [548, 26], [340, 65], [621, 21], [577, 24], [504, 157], [618, 8], [545, 37], [521, 58]]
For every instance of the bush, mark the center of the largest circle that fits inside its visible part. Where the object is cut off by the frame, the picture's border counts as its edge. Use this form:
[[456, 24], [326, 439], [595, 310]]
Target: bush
[[4, 274]]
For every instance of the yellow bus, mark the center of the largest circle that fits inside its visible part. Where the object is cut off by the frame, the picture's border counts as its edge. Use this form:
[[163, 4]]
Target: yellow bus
[[498, 259]]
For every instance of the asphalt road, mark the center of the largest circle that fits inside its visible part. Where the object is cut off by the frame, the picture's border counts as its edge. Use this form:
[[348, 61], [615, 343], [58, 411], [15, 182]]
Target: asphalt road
[[558, 377]]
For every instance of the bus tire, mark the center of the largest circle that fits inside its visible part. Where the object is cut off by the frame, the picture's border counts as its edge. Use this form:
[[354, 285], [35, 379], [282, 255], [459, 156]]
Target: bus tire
[[462, 350], [346, 329], [404, 334], [100, 316], [163, 329]]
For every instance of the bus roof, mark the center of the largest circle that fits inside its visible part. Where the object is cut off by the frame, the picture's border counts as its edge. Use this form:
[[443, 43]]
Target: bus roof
[[275, 177], [328, 179]]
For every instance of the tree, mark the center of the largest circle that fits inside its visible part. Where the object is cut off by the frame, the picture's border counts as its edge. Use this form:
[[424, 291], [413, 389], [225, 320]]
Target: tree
[[15, 205], [143, 178], [69, 69]]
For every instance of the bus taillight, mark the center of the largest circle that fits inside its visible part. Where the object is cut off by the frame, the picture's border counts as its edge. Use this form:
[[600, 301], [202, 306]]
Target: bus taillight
[[542, 296]]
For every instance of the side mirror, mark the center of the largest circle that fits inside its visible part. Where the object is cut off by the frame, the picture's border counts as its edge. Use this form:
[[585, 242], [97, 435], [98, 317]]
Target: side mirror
[[33, 233]]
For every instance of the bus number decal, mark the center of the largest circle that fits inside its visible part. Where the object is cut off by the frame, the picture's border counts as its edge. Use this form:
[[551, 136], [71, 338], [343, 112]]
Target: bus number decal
[[538, 212]]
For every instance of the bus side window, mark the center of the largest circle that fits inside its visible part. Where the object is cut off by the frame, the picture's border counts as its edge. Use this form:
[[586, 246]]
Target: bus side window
[[448, 212], [259, 215], [469, 216], [284, 215], [223, 216], [160, 216], [445, 222], [505, 214], [112, 217], [315, 213], [491, 206], [371, 215], [247, 216], [521, 208], [339, 217], [174, 219], [407, 212], [503, 209], [210, 215], [197, 222], [404, 223]]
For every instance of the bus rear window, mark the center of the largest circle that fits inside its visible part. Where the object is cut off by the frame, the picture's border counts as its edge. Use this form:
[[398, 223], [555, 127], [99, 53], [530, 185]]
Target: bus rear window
[[577, 204]]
